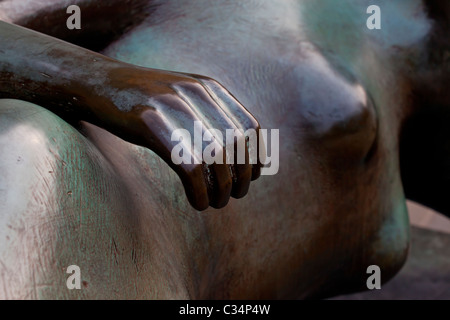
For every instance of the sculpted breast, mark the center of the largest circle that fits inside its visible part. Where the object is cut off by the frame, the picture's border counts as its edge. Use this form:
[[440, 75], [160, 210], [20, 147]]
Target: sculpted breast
[[334, 112]]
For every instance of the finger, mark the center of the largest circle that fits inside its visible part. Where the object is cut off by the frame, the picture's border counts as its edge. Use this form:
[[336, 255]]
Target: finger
[[230, 105], [242, 119], [191, 174], [220, 173], [204, 106], [243, 170], [221, 185], [212, 114], [219, 180], [195, 185]]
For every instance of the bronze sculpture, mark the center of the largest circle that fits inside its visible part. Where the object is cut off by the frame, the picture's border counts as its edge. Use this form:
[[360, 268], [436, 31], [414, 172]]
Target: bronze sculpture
[[339, 93]]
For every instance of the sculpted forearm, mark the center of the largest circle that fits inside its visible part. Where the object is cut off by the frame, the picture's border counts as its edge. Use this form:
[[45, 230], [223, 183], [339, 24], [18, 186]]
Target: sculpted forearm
[[140, 105], [44, 70]]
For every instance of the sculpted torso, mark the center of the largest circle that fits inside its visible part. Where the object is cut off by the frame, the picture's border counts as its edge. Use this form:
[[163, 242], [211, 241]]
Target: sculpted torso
[[339, 94]]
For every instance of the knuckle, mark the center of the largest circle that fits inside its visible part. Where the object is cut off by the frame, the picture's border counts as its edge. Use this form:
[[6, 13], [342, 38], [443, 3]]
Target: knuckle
[[148, 116], [188, 84]]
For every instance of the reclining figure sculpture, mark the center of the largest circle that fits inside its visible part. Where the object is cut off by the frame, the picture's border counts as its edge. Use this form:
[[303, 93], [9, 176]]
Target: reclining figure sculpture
[[86, 176]]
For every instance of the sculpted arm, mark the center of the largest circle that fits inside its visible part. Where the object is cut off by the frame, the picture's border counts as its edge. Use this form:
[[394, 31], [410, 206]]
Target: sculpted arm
[[140, 105]]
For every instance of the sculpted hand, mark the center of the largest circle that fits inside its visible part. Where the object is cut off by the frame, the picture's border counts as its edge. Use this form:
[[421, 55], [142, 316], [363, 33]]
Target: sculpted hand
[[143, 106], [147, 106]]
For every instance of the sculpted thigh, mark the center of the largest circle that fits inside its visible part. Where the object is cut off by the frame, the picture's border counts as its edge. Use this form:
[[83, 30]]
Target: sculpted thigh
[[62, 204]]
